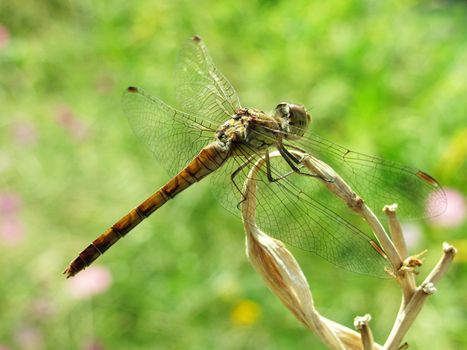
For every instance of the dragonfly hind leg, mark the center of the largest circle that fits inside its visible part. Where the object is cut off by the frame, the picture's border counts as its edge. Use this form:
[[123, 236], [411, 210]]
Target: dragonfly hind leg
[[243, 166], [234, 175]]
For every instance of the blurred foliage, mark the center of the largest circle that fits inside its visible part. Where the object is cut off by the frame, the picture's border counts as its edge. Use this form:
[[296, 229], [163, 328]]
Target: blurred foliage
[[384, 77]]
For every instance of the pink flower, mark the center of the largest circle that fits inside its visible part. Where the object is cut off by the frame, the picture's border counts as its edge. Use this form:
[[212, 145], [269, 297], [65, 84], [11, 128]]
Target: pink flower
[[11, 227], [68, 120], [104, 83], [93, 345], [42, 308], [455, 210], [92, 281], [29, 337], [4, 36], [11, 231], [10, 203], [25, 133]]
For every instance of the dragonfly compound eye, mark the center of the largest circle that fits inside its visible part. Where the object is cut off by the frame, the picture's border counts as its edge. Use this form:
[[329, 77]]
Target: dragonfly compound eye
[[299, 120]]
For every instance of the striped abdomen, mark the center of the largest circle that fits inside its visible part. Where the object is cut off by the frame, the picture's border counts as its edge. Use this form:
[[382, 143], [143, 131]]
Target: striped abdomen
[[208, 160]]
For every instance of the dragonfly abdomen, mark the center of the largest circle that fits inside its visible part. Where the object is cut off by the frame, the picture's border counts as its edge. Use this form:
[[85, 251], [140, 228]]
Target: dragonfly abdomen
[[209, 159]]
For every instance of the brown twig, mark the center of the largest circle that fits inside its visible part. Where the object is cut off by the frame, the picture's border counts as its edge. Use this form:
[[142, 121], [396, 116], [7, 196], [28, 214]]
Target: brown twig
[[405, 277], [406, 318], [285, 278], [351, 339], [396, 230], [280, 270], [361, 323]]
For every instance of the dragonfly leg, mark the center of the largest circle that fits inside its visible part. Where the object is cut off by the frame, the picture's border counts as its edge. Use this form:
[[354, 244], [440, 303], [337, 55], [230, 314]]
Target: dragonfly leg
[[290, 158], [232, 178], [269, 173]]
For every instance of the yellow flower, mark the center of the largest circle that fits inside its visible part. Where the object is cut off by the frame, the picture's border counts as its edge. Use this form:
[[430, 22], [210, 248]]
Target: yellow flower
[[245, 313], [461, 246]]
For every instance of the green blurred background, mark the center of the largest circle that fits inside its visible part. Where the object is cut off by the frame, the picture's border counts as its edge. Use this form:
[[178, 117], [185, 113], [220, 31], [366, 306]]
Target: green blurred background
[[387, 78]]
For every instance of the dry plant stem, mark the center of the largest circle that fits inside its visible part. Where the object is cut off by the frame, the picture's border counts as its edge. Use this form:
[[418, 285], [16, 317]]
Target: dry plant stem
[[413, 297], [279, 268], [378, 229], [396, 230], [352, 340], [281, 274], [284, 277], [405, 278], [406, 318], [362, 323]]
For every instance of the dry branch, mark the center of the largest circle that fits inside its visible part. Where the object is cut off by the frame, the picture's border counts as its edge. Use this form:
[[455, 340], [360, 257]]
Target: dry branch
[[284, 277]]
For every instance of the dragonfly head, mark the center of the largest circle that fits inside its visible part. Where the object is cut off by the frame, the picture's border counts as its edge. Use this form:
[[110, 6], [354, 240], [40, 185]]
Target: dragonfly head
[[293, 119]]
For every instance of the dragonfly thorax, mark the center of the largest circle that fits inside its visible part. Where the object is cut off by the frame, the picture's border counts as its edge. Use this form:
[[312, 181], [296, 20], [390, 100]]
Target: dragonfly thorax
[[293, 119], [251, 128]]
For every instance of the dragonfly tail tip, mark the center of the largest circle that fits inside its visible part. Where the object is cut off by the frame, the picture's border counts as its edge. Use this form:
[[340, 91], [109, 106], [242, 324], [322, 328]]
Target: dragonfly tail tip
[[70, 272], [67, 273]]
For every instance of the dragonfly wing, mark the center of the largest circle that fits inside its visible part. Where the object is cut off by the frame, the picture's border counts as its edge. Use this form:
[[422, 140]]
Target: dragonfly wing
[[201, 87], [300, 211], [380, 182], [173, 136]]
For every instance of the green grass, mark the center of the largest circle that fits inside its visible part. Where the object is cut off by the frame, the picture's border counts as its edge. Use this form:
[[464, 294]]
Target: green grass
[[385, 78]]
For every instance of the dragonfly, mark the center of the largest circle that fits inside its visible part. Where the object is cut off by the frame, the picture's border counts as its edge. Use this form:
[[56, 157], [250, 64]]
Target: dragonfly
[[212, 136]]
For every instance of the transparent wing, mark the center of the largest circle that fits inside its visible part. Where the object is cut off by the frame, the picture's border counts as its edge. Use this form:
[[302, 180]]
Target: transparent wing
[[300, 211], [200, 88], [380, 182], [227, 182], [173, 136]]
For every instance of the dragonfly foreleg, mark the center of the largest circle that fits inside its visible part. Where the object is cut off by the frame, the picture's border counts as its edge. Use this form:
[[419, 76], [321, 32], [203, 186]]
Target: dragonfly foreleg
[[287, 157], [290, 158]]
